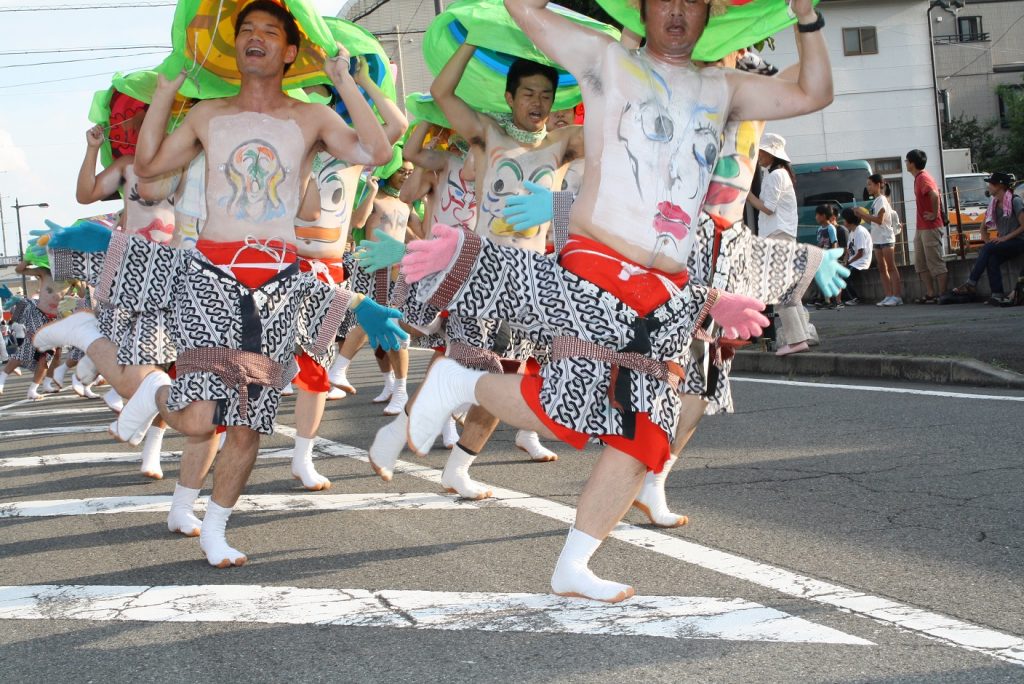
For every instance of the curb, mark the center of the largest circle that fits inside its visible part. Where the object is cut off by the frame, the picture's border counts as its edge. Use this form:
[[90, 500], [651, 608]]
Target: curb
[[880, 367]]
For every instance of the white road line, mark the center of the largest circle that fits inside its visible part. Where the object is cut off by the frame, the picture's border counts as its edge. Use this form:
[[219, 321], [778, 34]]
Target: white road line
[[952, 631], [17, 403], [672, 617], [889, 390], [255, 503], [57, 411], [112, 457], [39, 432]]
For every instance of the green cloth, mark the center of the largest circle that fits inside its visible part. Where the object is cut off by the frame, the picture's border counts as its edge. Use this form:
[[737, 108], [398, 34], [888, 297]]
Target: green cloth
[[421, 107], [211, 67], [744, 23], [487, 24]]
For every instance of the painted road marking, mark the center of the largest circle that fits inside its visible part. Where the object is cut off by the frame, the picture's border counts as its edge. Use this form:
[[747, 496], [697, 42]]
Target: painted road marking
[[671, 617], [872, 388], [57, 411], [40, 432], [254, 503], [923, 622], [112, 457]]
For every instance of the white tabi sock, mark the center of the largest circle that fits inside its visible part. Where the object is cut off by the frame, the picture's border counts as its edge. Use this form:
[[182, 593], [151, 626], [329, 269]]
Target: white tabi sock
[[336, 393], [529, 441], [86, 371], [33, 392], [446, 387], [572, 577], [651, 499], [141, 410], [399, 398], [302, 466], [113, 400], [59, 373], [48, 386], [212, 539], [456, 479], [387, 446], [182, 518], [151, 446], [450, 434], [389, 388], [338, 374], [3, 379], [77, 330]]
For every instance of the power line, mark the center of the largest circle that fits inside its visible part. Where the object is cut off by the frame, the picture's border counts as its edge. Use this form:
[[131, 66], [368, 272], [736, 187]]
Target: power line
[[68, 8], [70, 78], [76, 61], [84, 49], [989, 50]]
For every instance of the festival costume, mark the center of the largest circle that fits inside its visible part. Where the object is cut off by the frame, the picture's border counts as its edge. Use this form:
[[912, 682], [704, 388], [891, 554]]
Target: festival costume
[[33, 318]]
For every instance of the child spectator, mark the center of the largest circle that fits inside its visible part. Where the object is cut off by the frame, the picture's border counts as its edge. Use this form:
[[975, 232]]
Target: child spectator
[[884, 223], [858, 250]]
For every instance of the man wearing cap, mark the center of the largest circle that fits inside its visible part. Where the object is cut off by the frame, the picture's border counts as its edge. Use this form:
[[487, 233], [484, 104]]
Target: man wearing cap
[[617, 307], [1006, 215]]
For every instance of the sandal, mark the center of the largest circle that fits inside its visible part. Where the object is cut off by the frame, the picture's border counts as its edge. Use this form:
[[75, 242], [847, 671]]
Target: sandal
[[965, 289], [926, 300]]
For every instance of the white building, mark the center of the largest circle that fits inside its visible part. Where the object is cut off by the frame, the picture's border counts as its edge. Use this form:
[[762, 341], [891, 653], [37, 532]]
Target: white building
[[885, 102]]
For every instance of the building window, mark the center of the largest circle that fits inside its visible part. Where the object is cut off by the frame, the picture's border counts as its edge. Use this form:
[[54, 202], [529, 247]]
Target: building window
[[1004, 106], [969, 29], [888, 167], [860, 41]]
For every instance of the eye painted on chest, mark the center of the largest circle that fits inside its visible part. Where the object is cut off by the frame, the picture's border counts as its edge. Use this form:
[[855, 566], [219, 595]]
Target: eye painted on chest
[[508, 178]]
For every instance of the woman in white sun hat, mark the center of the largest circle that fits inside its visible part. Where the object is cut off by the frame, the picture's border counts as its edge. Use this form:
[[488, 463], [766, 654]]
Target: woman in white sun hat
[[777, 220]]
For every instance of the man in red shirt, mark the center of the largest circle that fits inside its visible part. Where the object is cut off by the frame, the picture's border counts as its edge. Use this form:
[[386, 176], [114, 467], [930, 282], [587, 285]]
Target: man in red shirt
[[928, 262]]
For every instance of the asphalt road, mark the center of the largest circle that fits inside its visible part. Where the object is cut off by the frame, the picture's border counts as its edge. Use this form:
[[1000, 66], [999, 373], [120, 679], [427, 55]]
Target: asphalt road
[[836, 535]]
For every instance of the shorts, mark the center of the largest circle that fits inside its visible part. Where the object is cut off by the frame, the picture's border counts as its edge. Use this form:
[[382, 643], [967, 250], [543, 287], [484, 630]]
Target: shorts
[[928, 252]]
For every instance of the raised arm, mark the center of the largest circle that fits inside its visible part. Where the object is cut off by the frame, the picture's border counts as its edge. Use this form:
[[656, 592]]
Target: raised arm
[[419, 155], [158, 153], [576, 48], [362, 213], [761, 98], [395, 123], [365, 141], [468, 122], [417, 185], [93, 187]]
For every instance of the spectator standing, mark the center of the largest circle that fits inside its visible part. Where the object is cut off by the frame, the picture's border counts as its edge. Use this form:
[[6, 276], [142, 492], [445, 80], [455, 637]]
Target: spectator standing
[[777, 220], [18, 333], [1006, 215], [928, 261], [858, 250], [827, 237], [883, 224]]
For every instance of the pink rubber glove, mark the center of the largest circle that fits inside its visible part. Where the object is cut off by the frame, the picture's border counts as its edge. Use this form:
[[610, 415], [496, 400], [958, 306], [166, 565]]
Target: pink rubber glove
[[425, 257], [739, 316]]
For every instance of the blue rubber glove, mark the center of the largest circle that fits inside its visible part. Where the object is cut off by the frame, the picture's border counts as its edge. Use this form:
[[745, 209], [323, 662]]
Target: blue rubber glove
[[35, 254], [12, 302], [385, 252], [84, 236], [5, 293], [380, 324], [831, 275], [528, 211]]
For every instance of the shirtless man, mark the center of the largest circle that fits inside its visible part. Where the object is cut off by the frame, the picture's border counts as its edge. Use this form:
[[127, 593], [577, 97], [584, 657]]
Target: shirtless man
[[236, 297], [653, 131], [514, 150], [321, 245]]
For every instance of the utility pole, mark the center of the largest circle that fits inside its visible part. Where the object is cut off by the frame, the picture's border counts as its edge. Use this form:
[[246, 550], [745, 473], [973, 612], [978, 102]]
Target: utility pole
[[18, 206], [401, 67], [3, 226]]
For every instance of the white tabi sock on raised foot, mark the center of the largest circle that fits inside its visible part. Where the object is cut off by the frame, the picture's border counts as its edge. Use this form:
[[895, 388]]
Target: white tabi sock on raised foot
[[529, 441], [338, 374], [389, 388], [212, 539], [387, 446], [77, 330], [113, 400], [446, 387], [399, 398], [3, 380], [141, 410], [456, 479], [86, 371], [450, 434], [59, 373], [572, 577], [151, 447], [302, 466], [651, 499], [33, 392], [182, 518]]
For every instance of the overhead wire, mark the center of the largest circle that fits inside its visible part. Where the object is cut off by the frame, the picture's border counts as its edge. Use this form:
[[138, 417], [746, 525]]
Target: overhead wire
[[76, 61]]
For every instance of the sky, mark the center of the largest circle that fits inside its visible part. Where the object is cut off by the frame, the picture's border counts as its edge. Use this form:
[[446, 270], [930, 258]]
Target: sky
[[44, 107]]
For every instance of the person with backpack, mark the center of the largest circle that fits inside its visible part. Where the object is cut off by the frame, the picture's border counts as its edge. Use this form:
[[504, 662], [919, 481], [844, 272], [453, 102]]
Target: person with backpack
[[1005, 214], [884, 225]]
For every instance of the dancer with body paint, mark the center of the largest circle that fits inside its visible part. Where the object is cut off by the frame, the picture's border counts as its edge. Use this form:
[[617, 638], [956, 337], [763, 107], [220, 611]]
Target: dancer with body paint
[[235, 298], [618, 309]]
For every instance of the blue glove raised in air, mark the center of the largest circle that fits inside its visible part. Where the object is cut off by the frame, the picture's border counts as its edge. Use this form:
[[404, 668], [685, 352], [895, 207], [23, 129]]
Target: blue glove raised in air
[[381, 325], [527, 211], [83, 236], [5, 293], [12, 302], [831, 275], [385, 252]]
